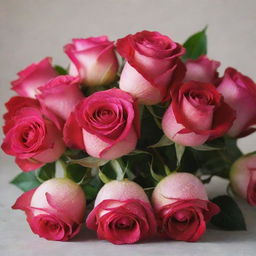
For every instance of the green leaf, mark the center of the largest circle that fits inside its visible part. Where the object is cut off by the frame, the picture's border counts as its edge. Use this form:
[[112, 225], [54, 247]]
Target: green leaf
[[163, 142], [155, 176], [26, 181], [92, 187], [150, 132], [232, 150], [90, 191], [180, 149], [155, 117], [118, 168], [60, 70], [77, 172], [196, 45], [151, 110], [103, 177], [46, 172], [89, 161], [230, 217], [138, 152], [205, 147]]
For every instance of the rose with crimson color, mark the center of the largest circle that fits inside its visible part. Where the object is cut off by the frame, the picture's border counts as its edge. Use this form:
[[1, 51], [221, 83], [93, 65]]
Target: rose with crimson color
[[202, 69], [60, 95], [182, 207], [105, 124], [196, 114], [34, 76], [55, 210], [30, 135], [152, 66], [122, 213], [239, 92]]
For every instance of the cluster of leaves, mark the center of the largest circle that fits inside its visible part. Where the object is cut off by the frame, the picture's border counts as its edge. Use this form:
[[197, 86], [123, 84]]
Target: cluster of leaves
[[155, 157]]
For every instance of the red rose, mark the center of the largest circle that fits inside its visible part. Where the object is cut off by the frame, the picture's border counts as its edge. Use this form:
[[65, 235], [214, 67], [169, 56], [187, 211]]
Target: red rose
[[93, 59], [34, 76], [105, 124], [182, 207], [61, 95], [197, 113], [152, 66], [31, 137], [239, 92], [122, 213], [51, 214]]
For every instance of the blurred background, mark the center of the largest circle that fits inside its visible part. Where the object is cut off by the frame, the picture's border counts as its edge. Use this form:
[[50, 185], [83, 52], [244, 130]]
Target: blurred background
[[33, 29]]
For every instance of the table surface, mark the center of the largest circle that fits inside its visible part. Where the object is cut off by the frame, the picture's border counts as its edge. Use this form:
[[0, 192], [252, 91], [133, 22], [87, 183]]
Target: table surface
[[31, 30]]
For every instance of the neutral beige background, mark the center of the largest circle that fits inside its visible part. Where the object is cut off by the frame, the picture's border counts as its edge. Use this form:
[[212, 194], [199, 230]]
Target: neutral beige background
[[33, 29]]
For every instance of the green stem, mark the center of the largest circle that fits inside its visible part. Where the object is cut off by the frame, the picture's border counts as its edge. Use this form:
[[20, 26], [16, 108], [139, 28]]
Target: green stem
[[155, 117], [64, 167], [166, 168]]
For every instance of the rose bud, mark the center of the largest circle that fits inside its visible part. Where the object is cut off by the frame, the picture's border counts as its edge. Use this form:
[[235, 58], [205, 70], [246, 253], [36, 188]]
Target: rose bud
[[61, 95], [197, 114], [54, 210], [152, 66], [29, 136], [243, 178], [202, 70], [93, 59], [239, 92], [34, 76], [105, 125], [122, 213], [182, 207]]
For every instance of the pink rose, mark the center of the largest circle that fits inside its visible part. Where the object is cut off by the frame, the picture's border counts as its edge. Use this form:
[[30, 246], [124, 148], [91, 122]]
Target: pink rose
[[32, 138], [182, 207], [105, 125], [122, 213], [197, 113], [61, 95], [34, 76], [152, 66], [15, 104], [93, 59], [239, 92], [243, 178], [202, 70], [51, 214]]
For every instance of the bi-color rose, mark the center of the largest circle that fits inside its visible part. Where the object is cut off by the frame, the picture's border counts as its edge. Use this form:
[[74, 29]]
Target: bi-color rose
[[122, 213], [34, 76], [152, 66], [93, 59], [182, 207], [202, 69], [105, 125], [239, 92], [196, 114], [60, 95], [243, 178], [55, 210], [29, 135]]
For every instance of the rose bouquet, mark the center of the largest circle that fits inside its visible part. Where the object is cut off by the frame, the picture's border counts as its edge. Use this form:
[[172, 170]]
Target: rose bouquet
[[138, 126]]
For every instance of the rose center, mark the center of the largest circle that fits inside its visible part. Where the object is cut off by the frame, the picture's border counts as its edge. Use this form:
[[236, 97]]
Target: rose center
[[124, 223]]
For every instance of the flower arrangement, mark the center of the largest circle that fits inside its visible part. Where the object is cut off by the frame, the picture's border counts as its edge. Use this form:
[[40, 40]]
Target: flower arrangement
[[139, 126]]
